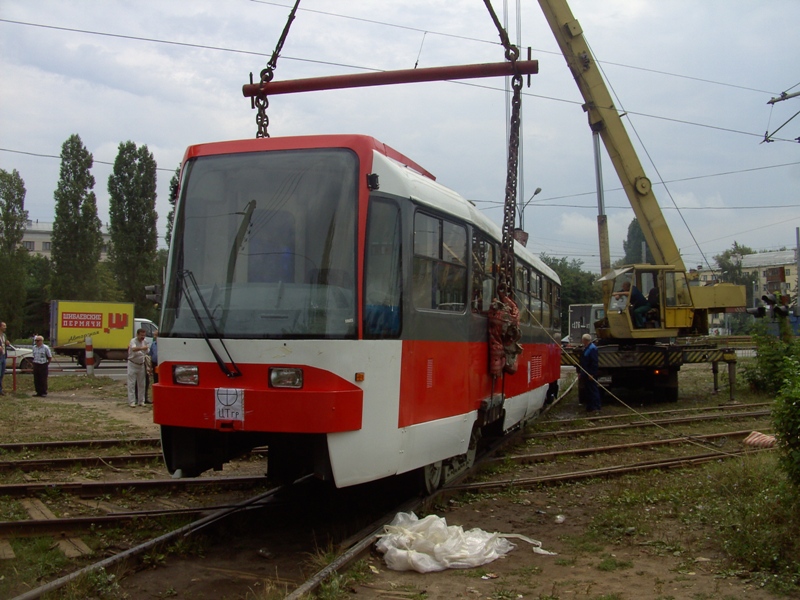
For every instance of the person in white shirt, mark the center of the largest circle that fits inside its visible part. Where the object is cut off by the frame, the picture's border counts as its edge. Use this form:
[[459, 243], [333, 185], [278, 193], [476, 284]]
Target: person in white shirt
[[41, 366], [137, 350]]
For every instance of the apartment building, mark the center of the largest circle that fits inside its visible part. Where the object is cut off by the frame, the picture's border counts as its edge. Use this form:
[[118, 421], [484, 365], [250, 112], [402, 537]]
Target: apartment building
[[38, 235]]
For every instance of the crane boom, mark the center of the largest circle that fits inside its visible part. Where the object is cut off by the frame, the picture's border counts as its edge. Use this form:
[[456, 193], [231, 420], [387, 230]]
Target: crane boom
[[605, 119]]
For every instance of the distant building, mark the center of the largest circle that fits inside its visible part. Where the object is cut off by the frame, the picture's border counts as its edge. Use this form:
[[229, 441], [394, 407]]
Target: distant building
[[38, 236], [774, 272]]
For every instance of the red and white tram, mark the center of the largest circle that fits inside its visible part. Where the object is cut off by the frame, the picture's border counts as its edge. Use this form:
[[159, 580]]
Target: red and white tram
[[327, 298]]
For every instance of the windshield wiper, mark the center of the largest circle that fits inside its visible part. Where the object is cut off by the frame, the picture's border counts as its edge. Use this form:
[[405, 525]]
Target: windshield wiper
[[189, 276]]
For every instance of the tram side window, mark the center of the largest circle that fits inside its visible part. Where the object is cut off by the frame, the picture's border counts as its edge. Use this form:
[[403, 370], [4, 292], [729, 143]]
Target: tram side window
[[556, 306], [382, 275], [483, 282], [536, 298], [440, 264], [546, 307], [521, 278]]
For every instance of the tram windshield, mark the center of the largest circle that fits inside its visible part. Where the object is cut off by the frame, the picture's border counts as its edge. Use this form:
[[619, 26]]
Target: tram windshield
[[264, 246]]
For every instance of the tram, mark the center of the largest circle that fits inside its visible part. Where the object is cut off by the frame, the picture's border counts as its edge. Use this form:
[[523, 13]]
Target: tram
[[327, 298]]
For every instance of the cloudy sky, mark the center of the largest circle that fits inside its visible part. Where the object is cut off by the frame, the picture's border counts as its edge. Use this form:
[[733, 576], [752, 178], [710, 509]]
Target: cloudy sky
[[695, 77]]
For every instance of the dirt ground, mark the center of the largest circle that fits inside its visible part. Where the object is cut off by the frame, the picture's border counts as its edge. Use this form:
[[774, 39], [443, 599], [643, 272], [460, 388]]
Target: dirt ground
[[674, 563], [642, 568]]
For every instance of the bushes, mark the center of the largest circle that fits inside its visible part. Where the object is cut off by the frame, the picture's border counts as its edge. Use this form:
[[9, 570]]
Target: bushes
[[786, 419], [777, 370], [769, 371]]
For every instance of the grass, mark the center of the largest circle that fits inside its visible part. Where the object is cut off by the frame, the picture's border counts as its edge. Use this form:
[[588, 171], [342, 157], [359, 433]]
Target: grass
[[748, 504], [33, 420]]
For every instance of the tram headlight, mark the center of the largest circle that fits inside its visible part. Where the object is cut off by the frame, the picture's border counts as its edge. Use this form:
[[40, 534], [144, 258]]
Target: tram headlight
[[285, 377], [185, 374]]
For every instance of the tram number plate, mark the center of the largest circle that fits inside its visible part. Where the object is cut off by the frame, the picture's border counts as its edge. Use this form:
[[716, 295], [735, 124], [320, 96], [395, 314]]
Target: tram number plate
[[229, 404]]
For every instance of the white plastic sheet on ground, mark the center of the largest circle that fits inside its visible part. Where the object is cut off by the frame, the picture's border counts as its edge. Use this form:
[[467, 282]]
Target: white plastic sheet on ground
[[427, 545]]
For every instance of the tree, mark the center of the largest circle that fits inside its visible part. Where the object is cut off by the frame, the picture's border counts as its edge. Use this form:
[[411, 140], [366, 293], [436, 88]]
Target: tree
[[107, 283], [77, 240], [577, 286], [633, 245], [174, 188], [132, 212], [730, 267], [13, 218], [37, 305]]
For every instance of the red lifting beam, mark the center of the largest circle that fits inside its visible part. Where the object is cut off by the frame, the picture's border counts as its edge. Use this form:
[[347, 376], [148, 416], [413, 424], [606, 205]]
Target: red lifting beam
[[337, 82]]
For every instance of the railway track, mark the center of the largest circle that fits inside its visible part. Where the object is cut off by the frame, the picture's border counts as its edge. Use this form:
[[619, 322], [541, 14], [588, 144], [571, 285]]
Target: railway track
[[360, 547], [110, 461], [353, 539]]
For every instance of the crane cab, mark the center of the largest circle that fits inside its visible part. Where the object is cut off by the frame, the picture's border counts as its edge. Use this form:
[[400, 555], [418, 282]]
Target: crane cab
[[647, 302]]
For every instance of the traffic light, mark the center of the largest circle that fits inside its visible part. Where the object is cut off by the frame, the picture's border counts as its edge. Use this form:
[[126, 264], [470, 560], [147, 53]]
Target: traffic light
[[758, 312], [773, 307], [153, 293], [781, 310]]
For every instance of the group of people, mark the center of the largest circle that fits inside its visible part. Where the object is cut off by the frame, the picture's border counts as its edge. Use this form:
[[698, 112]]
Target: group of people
[[142, 361], [42, 355]]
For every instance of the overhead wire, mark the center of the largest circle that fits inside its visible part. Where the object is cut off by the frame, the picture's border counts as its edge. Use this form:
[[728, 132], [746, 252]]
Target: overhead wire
[[425, 31]]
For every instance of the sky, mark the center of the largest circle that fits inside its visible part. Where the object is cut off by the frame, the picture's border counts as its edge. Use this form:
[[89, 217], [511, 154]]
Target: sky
[[693, 76]]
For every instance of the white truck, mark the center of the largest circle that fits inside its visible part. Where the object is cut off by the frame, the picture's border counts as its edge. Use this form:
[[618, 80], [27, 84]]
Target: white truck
[[582, 318]]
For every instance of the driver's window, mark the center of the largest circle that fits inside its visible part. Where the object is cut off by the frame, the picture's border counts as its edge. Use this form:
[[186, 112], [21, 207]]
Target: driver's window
[[619, 296]]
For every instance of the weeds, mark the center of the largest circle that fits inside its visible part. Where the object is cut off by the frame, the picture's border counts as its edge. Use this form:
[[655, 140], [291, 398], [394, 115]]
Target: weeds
[[612, 563]]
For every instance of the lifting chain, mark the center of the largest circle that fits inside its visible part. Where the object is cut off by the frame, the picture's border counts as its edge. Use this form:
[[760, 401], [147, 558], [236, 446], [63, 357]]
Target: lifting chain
[[506, 274], [260, 101], [504, 331], [510, 206]]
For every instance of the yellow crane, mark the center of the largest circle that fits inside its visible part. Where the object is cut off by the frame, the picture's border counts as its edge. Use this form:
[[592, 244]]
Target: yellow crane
[[637, 344]]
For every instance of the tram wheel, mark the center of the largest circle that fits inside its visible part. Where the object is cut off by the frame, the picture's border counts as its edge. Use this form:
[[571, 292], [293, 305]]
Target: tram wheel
[[431, 477]]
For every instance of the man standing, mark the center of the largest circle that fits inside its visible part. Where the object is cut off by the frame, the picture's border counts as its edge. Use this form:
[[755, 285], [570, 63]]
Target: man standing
[[590, 366], [3, 345], [137, 350], [41, 366]]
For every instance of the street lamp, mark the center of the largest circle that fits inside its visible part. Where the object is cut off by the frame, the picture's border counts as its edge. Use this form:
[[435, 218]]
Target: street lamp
[[521, 210]]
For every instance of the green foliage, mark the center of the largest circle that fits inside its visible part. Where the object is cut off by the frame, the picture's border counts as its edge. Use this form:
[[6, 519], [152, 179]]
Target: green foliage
[[786, 419], [747, 500], [107, 283], [37, 303], [12, 211], [768, 372], [577, 286], [730, 266], [757, 518], [174, 189], [77, 240], [632, 245], [132, 213], [13, 217]]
